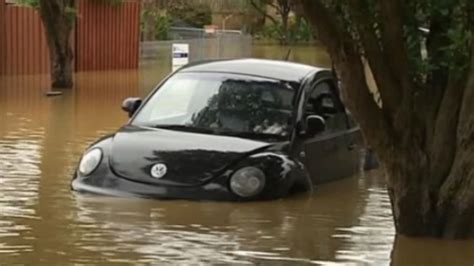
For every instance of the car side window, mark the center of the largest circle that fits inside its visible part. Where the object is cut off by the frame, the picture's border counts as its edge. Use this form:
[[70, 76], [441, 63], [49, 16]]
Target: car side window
[[324, 101]]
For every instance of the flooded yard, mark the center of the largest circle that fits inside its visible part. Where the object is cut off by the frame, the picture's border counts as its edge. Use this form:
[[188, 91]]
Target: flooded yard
[[43, 223]]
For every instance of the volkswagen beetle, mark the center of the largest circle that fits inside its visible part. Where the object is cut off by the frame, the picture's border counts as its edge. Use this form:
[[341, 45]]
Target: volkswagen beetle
[[235, 130]]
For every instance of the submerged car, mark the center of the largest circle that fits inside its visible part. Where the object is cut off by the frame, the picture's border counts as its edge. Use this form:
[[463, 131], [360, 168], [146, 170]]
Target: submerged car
[[236, 130]]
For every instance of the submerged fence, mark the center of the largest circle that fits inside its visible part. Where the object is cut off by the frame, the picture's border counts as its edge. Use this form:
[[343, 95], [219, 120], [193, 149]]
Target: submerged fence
[[218, 44]]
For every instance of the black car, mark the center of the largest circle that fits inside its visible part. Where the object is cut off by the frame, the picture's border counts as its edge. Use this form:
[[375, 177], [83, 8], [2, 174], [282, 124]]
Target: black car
[[244, 129]]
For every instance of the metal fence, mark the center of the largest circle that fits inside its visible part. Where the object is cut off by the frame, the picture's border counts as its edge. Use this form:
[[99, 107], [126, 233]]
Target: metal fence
[[218, 44]]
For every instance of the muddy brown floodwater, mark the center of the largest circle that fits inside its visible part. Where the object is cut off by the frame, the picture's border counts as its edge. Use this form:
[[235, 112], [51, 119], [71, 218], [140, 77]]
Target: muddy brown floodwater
[[43, 223]]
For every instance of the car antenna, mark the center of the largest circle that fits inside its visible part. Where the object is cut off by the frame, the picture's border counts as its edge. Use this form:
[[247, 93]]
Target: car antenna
[[287, 57]]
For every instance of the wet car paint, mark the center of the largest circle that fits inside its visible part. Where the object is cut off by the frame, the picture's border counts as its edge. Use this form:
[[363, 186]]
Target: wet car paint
[[191, 158], [282, 173]]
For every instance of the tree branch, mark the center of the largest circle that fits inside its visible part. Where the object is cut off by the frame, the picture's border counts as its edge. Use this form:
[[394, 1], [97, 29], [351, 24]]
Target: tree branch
[[261, 11], [437, 80], [466, 125], [283, 7], [393, 43], [444, 133], [277, 7], [349, 67], [386, 82], [461, 174]]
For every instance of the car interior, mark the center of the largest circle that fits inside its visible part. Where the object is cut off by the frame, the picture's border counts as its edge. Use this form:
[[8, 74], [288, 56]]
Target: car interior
[[324, 102]]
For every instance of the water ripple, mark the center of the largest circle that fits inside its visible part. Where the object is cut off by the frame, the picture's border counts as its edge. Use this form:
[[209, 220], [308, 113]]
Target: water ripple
[[19, 181], [374, 232]]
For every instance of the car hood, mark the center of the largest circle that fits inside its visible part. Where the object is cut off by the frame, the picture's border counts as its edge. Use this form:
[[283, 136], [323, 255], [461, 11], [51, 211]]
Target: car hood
[[190, 158]]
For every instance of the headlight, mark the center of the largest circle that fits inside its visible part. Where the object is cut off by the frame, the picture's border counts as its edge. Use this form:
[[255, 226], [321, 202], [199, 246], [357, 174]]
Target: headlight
[[90, 161], [247, 182]]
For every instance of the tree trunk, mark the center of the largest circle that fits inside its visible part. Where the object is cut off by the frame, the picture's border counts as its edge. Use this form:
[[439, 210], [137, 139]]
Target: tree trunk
[[426, 148], [284, 29], [3, 55], [58, 20], [430, 170], [421, 208]]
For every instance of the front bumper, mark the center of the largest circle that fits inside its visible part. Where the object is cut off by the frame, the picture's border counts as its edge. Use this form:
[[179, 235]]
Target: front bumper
[[105, 182], [120, 187]]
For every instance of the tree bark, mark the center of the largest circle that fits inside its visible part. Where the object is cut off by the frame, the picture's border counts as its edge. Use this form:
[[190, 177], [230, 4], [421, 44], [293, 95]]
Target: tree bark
[[262, 11], [428, 156], [284, 29], [284, 8], [58, 21], [3, 56]]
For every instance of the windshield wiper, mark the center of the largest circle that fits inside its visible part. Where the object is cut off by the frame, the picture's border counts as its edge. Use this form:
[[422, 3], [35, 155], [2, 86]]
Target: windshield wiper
[[253, 135], [188, 128]]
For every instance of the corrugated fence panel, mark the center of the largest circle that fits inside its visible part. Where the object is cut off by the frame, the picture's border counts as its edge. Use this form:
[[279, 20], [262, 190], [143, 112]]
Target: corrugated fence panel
[[22, 41], [107, 36], [2, 36]]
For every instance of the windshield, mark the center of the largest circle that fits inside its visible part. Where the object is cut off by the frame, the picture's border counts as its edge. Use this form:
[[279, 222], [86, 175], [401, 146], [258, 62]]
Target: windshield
[[220, 103]]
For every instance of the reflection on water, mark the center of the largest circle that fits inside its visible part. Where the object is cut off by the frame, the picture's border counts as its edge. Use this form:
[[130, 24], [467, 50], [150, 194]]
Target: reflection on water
[[42, 222]]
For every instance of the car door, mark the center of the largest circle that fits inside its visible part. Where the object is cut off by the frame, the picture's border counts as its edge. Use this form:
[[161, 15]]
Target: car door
[[329, 155]]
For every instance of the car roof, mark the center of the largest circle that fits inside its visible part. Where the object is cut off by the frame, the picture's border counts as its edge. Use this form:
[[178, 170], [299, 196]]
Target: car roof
[[274, 69]]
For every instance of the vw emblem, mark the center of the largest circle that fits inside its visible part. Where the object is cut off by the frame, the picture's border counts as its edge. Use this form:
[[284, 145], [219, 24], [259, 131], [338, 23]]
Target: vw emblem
[[158, 170]]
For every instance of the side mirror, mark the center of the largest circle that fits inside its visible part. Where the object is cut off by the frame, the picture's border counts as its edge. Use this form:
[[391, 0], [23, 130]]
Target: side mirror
[[315, 124], [131, 105]]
